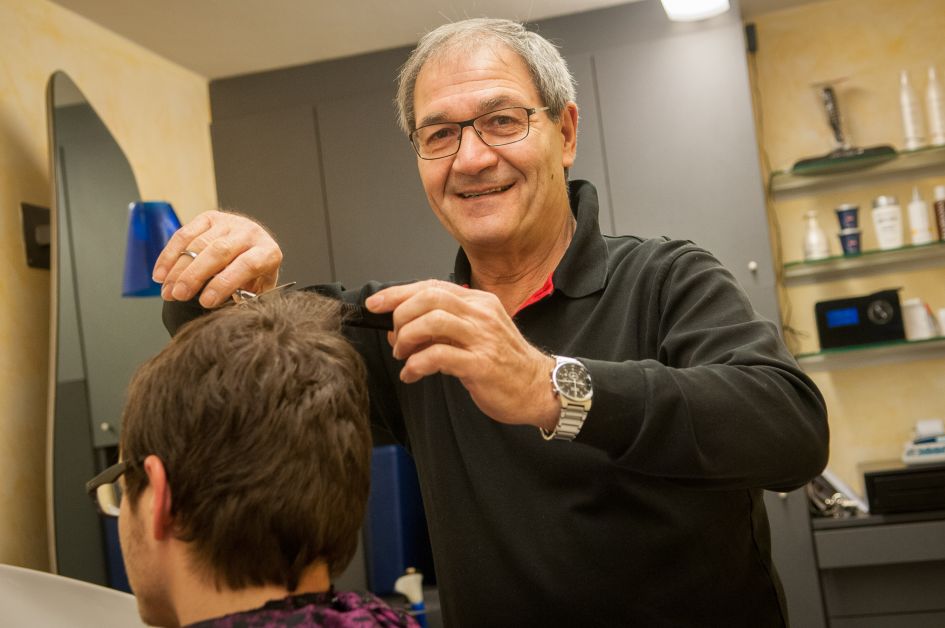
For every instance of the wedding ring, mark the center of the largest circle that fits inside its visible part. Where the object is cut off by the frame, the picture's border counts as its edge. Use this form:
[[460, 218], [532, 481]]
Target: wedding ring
[[192, 254]]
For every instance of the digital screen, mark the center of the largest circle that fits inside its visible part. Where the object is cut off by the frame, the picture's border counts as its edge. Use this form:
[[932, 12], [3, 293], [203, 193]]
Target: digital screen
[[843, 317]]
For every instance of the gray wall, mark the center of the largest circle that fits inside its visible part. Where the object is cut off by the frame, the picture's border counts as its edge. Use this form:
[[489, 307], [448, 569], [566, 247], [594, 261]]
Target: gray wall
[[666, 134], [340, 188]]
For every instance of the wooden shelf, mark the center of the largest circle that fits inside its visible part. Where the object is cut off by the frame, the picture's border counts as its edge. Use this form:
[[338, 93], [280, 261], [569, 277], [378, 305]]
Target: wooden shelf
[[867, 263], [873, 354], [907, 163]]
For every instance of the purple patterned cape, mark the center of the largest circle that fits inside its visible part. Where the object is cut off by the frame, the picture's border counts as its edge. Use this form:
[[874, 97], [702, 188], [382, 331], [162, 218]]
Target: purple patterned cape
[[328, 609]]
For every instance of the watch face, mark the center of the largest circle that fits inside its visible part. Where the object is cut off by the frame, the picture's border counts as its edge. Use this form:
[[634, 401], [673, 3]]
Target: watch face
[[573, 381]]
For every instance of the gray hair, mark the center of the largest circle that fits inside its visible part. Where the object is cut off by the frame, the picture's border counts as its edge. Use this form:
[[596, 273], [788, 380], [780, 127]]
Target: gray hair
[[549, 71]]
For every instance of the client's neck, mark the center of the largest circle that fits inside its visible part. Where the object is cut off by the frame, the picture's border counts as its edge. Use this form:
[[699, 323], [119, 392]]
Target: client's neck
[[199, 600]]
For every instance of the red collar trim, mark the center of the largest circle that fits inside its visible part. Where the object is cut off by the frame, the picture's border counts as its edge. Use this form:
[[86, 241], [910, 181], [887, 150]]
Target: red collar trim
[[539, 294]]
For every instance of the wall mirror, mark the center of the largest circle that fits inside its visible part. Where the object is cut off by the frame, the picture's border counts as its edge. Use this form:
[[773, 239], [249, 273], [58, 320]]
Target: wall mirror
[[97, 336]]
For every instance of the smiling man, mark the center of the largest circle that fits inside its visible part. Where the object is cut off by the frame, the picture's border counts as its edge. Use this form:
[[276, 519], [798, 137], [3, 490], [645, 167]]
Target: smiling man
[[593, 418]]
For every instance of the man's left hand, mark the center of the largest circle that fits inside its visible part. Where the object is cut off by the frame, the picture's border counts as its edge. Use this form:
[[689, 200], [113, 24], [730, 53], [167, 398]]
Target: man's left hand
[[440, 327]]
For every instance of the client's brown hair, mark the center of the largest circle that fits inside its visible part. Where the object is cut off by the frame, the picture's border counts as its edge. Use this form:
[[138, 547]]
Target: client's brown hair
[[259, 414]]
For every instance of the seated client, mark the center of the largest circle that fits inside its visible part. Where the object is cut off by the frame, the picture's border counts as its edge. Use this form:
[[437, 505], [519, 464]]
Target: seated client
[[245, 453]]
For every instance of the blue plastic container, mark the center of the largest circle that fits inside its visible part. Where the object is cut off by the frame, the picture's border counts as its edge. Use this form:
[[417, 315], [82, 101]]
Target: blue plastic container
[[850, 241], [150, 225], [396, 535], [848, 215]]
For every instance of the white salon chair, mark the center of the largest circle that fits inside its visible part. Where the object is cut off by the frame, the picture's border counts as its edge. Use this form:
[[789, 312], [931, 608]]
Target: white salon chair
[[37, 598]]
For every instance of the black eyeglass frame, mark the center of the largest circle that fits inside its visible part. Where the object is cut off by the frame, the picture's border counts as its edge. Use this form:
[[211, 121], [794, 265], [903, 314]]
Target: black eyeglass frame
[[108, 476], [472, 122]]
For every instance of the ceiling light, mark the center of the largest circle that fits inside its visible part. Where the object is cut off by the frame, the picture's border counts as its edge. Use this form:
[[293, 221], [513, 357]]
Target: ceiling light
[[692, 10]]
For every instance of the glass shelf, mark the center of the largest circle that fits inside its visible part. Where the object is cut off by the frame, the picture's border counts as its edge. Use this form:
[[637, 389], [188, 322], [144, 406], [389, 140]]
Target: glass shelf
[[909, 257], [873, 354], [932, 159]]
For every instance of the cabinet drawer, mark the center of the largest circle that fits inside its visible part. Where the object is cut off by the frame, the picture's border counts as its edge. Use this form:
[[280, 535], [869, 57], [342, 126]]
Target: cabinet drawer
[[884, 589], [880, 545]]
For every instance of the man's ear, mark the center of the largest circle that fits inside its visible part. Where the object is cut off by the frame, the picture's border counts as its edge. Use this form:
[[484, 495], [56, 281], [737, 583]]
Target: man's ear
[[160, 507], [569, 124]]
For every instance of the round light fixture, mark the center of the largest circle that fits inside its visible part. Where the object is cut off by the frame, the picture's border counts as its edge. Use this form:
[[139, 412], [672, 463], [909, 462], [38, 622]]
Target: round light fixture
[[693, 10]]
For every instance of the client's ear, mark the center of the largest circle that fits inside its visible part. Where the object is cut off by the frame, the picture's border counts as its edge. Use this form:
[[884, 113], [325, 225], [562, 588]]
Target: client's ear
[[160, 507]]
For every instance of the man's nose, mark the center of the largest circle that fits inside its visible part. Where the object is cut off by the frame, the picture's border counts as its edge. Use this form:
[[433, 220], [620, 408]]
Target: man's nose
[[474, 154]]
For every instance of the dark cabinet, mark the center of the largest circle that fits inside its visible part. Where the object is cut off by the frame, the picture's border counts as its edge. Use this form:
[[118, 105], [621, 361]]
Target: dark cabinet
[[883, 571]]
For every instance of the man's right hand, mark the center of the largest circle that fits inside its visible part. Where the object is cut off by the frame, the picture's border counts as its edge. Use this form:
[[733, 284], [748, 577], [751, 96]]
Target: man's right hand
[[233, 252]]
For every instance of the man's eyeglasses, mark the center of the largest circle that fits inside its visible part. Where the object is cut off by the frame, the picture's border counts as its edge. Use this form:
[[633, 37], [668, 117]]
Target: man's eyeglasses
[[105, 490], [496, 128]]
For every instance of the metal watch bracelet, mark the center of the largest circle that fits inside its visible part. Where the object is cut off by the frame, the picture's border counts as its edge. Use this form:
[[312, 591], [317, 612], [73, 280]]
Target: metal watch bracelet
[[569, 424]]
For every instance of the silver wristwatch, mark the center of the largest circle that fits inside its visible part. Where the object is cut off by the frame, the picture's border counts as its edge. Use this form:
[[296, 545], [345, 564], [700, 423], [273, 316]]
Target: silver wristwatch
[[571, 383]]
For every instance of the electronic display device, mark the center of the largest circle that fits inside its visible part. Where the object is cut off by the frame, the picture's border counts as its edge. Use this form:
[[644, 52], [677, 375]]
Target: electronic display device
[[860, 320]]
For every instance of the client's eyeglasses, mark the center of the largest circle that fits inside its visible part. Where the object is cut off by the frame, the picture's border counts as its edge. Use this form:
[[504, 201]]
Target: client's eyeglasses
[[105, 490]]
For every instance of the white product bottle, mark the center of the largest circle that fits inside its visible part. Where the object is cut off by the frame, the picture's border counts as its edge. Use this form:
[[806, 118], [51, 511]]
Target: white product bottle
[[935, 108], [815, 240], [887, 219], [919, 219], [913, 128], [917, 320]]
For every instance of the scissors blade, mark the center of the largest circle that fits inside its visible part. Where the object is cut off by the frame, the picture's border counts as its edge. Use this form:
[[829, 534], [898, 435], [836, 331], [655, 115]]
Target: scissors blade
[[244, 296]]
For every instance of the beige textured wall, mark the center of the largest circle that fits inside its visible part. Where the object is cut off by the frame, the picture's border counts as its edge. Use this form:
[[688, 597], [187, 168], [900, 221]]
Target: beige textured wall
[[869, 41], [159, 114]]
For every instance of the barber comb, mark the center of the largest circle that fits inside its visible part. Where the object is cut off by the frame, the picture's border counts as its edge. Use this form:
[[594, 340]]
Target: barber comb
[[355, 315]]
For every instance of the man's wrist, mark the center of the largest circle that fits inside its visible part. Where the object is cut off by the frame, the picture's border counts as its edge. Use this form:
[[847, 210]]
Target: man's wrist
[[550, 406], [551, 422]]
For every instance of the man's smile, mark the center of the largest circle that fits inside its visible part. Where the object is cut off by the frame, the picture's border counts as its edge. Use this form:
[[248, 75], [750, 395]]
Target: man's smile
[[484, 192]]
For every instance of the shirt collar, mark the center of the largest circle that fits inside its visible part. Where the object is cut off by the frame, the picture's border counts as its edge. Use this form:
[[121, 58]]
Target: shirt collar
[[583, 269]]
